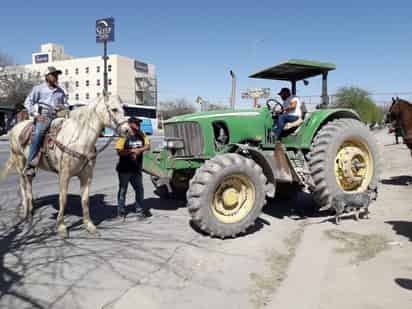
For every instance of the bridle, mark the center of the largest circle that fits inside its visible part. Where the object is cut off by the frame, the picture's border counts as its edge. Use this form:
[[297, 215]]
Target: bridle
[[113, 119]]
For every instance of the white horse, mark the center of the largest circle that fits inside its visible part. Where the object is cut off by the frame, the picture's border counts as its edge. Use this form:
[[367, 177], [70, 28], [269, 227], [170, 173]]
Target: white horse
[[73, 155]]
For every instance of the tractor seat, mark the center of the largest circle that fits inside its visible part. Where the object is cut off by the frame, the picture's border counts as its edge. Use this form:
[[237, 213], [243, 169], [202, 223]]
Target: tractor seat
[[293, 124]]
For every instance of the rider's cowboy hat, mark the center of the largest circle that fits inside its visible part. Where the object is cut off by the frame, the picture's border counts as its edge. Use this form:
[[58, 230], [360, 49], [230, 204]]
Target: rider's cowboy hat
[[52, 70], [283, 90]]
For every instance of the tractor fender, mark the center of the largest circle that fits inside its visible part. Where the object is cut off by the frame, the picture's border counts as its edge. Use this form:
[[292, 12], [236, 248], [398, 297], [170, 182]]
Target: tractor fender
[[323, 118], [273, 169]]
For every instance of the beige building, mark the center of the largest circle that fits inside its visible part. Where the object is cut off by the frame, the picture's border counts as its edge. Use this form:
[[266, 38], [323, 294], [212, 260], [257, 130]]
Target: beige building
[[82, 79]]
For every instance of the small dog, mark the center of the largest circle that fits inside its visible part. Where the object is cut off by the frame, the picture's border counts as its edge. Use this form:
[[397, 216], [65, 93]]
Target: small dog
[[354, 202]]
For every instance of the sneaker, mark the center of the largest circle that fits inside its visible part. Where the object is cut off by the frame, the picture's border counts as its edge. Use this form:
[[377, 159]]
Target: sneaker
[[140, 216], [147, 212], [29, 171]]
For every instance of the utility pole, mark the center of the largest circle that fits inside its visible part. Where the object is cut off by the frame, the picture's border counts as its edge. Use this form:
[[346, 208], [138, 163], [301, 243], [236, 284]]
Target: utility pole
[[105, 58], [233, 95]]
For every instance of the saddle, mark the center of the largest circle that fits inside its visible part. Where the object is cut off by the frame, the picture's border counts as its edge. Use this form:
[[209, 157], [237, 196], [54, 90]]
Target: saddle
[[26, 134]]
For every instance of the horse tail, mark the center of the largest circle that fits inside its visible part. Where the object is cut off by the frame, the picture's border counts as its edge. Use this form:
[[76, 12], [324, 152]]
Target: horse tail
[[10, 164]]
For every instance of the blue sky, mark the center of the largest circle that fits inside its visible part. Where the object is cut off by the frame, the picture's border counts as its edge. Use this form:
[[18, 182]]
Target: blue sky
[[194, 44]]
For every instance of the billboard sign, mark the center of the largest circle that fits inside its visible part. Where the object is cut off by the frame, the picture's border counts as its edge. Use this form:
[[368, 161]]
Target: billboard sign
[[256, 93], [105, 30], [141, 66], [41, 58]]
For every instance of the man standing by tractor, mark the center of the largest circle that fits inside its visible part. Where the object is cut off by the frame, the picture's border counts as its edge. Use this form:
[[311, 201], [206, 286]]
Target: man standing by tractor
[[43, 103], [129, 168], [290, 113]]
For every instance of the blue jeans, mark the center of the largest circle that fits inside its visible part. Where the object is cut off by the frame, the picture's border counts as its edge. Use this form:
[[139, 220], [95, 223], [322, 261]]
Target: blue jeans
[[136, 181], [40, 131], [283, 119]]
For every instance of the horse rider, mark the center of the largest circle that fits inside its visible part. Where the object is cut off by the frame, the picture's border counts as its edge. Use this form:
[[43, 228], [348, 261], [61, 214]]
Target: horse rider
[[291, 111], [43, 103], [130, 150]]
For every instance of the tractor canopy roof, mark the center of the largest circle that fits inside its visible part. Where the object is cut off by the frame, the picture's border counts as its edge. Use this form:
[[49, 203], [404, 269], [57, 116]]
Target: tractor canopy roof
[[295, 70]]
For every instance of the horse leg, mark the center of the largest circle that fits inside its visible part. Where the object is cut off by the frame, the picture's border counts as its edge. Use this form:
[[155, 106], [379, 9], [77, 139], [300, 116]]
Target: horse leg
[[85, 182], [23, 188], [29, 196], [64, 185]]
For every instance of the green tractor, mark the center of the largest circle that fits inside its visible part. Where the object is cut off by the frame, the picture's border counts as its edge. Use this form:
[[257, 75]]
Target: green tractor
[[227, 164]]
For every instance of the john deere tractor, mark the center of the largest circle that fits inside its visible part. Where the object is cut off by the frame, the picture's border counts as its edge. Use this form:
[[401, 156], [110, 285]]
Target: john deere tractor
[[227, 163]]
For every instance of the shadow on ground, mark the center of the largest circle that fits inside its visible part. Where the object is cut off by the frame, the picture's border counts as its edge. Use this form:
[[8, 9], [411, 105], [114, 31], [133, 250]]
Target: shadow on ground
[[403, 228], [402, 180], [99, 209], [404, 283]]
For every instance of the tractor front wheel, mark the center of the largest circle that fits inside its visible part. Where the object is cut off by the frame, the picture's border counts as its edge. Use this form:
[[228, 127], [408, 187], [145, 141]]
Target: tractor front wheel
[[226, 195], [344, 158]]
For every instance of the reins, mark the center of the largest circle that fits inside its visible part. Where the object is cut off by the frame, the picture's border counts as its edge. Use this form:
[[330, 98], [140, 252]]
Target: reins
[[92, 156]]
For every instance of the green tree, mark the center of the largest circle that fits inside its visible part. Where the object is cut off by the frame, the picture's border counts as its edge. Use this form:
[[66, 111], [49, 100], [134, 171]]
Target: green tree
[[359, 100]]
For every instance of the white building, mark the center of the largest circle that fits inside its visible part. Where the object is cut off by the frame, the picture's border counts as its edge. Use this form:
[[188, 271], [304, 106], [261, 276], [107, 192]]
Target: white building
[[82, 79]]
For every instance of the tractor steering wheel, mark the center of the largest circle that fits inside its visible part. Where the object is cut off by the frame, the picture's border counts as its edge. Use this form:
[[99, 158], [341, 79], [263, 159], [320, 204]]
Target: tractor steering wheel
[[274, 106]]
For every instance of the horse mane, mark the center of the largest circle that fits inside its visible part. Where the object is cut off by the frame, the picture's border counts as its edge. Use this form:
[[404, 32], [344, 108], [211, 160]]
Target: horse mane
[[82, 114], [399, 100]]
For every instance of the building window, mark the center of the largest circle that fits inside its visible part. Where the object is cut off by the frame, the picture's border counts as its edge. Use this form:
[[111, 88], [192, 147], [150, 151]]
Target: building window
[[28, 75], [66, 72], [38, 74], [109, 81], [77, 96], [98, 82], [109, 68], [87, 96], [66, 85], [76, 83], [87, 83], [87, 70], [98, 69], [98, 94], [76, 71], [21, 75], [67, 96]]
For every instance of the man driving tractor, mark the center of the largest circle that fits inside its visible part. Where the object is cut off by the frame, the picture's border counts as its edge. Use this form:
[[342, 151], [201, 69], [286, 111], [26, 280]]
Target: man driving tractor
[[43, 103], [290, 113]]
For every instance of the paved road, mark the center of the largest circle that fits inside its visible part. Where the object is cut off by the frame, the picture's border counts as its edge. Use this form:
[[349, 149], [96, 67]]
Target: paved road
[[285, 260]]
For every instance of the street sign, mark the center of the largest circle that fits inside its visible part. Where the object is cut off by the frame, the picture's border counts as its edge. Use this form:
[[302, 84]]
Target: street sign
[[105, 30]]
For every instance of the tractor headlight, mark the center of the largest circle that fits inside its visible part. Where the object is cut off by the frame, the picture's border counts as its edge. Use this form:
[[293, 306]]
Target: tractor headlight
[[174, 144]]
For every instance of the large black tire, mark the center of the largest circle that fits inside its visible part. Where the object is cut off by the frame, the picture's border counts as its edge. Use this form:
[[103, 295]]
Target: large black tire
[[208, 181], [325, 147]]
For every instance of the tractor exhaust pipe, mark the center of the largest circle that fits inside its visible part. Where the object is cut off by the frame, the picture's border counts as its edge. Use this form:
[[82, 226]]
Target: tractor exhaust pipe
[[233, 94]]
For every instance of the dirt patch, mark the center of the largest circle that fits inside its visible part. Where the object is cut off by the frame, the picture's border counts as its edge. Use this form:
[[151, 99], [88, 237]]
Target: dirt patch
[[265, 285], [365, 247]]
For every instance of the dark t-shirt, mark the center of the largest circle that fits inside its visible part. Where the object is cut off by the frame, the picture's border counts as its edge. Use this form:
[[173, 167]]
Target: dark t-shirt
[[126, 163]]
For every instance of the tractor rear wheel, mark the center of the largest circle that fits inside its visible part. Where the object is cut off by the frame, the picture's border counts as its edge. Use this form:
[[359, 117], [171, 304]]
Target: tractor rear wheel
[[226, 195], [344, 158]]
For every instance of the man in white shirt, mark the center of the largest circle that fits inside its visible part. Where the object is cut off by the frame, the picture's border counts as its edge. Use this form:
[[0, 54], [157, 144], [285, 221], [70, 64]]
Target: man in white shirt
[[291, 111]]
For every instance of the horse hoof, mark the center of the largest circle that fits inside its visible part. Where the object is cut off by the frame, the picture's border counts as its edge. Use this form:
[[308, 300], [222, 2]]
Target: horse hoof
[[91, 228], [62, 230]]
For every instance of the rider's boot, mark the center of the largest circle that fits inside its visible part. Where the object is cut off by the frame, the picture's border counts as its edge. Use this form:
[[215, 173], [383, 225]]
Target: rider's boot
[[29, 170]]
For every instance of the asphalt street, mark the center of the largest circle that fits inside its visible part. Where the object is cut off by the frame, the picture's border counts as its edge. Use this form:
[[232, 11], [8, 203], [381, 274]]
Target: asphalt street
[[287, 260]]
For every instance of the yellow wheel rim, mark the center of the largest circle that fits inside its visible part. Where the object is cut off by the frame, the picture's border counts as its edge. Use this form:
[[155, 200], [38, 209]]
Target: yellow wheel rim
[[353, 166], [234, 198]]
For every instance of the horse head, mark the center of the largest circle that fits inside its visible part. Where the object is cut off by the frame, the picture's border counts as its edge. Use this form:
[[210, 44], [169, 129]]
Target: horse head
[[394, 112], [111, 113]]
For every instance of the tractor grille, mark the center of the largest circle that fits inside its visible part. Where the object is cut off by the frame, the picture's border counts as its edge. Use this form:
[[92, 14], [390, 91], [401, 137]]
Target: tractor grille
[[191, 134]]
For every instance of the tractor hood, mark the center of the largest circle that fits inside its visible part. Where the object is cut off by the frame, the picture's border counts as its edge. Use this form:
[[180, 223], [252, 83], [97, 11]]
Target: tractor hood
[[217, 114]]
